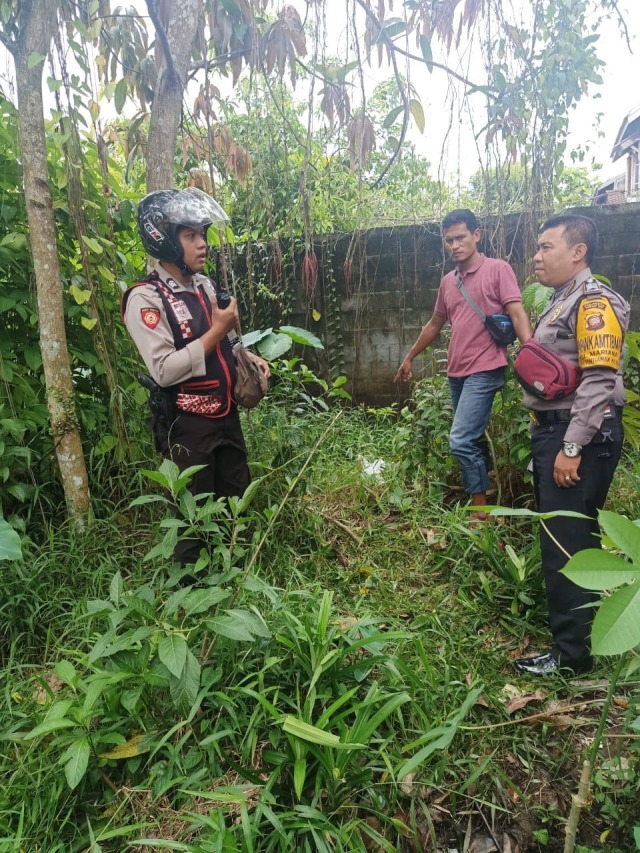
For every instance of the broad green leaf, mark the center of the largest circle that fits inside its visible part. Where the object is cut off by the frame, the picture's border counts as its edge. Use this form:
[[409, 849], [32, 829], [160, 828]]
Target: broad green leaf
[[33, 357], [77, 761], [427, 53], [243, 503], [106, 443], [274, 346], [312, 734], [157, 477], [10, 544], [106, 273], [172, 651], [392, 115], [305, 731], [233, 9], [93, 244], [80, 296], [204, 599], [184, 690], [231, 627], [137, 745], [623, 532], [392, 27], [253, 623], [34, 59], [94, 110], [116, 588], [50, 726], [120, 95], [301, 336], [616, 627], [418, 113], [66, 672], [597, 569], [251, 338], [529, 513], [299, 775], [89, 322], [14, 240]]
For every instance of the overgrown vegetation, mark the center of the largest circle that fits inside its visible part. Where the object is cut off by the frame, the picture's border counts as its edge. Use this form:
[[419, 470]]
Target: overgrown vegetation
[[334, 675]]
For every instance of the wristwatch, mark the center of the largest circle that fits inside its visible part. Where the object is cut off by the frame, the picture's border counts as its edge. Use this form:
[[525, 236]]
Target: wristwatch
[[571, 449]]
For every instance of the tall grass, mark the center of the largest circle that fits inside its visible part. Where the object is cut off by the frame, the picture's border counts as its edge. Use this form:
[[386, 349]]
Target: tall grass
[[365, 706]]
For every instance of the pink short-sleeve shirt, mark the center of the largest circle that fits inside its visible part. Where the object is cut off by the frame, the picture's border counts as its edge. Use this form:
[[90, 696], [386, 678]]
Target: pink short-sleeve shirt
[[492, 284]]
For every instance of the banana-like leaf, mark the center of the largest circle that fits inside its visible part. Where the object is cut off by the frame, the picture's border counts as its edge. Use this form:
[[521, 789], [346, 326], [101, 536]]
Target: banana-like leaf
[[616, 627], [597, 569]]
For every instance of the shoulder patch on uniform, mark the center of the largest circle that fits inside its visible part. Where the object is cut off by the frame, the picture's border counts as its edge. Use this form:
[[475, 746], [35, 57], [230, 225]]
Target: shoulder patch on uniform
[[150, 317], [598, 334], [592, 286]]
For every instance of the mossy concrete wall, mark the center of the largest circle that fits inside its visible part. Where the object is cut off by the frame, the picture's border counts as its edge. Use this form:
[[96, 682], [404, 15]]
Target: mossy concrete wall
[[385, 283]]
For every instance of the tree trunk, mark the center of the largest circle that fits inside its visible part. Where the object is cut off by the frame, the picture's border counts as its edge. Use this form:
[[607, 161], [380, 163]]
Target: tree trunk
[[35, 37], [166, 110]]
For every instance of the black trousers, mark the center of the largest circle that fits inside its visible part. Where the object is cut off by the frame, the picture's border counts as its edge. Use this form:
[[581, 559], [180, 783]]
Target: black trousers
[[218, 444], [570, 626]]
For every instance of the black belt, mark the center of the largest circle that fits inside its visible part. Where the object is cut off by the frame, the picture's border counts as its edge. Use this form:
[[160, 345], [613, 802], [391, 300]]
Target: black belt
[[563, 416]]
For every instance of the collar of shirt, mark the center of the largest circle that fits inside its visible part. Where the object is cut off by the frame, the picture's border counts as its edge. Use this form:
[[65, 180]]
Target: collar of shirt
[[475, 267], [171, 283], [571, 285]]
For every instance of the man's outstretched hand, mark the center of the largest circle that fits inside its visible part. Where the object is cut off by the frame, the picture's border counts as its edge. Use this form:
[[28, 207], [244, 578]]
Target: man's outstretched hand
[[404, 373]]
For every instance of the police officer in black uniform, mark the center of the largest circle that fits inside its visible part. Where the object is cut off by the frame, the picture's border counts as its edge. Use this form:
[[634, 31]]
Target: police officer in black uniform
[[576, 440], [182, 334]]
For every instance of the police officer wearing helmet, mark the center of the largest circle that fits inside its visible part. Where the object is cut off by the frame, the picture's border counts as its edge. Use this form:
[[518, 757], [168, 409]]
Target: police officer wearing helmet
[[182, 335], [576, 438]]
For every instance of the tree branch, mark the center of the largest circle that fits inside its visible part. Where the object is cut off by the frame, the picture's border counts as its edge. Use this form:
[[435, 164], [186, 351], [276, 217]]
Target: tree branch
[[406, 53], [172, 74], [623, 24], [401, 90]]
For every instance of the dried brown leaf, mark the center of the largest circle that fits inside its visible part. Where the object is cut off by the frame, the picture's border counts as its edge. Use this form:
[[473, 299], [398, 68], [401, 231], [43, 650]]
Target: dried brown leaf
[[522, 701]]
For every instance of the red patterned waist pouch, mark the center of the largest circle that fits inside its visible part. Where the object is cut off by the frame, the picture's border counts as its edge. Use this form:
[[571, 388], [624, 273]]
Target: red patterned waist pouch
[[209, 405]]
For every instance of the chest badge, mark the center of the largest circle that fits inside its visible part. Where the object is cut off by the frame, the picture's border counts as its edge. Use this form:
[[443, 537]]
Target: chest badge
[[150, 317], [181, 311], [556, 313]]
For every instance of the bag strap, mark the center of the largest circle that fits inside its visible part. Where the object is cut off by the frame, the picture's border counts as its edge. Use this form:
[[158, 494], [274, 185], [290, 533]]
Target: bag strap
[[470, 302]]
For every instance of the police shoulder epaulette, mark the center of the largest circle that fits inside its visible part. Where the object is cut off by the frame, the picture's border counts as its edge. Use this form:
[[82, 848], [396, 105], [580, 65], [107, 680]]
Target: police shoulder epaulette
[[591, 285]]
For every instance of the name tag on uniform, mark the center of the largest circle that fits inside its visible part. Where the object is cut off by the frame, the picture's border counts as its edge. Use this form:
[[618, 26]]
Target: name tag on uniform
[[181, 311]]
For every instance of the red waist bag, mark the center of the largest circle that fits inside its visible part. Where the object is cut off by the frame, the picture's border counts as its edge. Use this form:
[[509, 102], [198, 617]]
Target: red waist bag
[[545, 374]]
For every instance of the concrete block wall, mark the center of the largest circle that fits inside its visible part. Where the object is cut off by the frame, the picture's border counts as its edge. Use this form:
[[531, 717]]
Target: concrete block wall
[[388, 291]]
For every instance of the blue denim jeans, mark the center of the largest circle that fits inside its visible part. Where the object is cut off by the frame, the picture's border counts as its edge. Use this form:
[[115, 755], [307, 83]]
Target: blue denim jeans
[[472, 398]]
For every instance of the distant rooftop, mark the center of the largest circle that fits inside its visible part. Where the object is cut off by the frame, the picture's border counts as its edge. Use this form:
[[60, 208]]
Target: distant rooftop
[[628, 135]]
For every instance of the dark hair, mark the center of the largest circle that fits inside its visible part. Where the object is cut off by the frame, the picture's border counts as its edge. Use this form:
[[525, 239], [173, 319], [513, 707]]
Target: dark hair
[[463, 216], [577, 229]]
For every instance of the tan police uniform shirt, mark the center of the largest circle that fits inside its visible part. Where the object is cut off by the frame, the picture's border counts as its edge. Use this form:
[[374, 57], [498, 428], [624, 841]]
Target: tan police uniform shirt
[[585, 323], [147, 323]]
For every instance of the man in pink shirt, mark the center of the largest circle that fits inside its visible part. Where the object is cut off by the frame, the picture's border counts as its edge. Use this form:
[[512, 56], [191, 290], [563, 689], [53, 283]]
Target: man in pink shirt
[[476, 363]]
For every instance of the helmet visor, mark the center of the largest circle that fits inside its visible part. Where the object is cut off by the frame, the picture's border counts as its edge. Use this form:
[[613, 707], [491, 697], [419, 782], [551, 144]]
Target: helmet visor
[[194, 207]]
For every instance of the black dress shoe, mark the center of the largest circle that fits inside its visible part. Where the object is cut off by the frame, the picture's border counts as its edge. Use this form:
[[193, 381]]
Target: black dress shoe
[[547, 664], [544, 664]]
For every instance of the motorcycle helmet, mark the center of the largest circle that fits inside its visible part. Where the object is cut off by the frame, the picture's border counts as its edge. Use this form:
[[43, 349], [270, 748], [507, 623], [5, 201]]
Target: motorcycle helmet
[[162, 213]]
